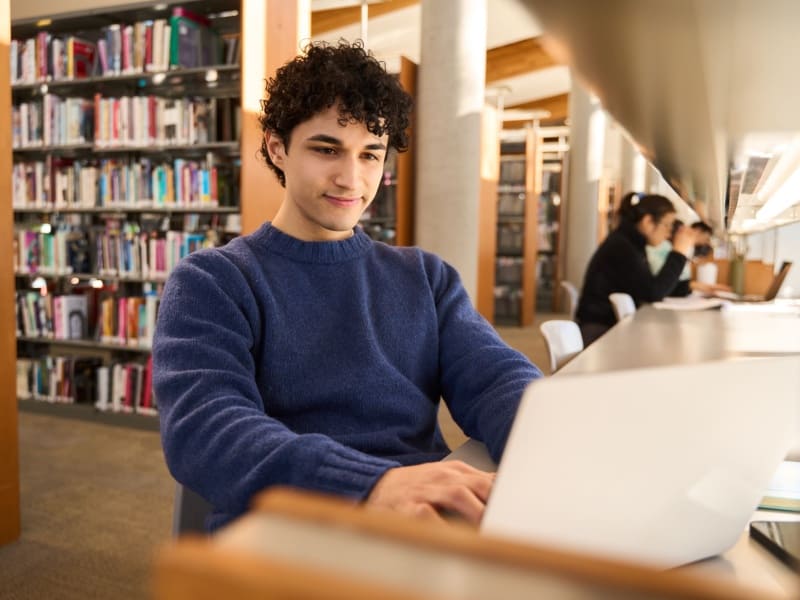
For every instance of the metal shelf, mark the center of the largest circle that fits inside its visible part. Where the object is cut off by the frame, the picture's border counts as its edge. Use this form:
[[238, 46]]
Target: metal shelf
[[87, 412], [132, 209], [229, 148], [88, 344]]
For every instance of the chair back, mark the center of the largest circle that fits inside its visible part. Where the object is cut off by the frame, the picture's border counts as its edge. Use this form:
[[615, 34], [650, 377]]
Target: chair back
[[572, 297], [189, 512], [623, 305], [563, 340]]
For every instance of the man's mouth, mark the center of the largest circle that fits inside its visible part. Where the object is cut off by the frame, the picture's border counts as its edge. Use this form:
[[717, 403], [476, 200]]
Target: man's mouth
[[343, 201]]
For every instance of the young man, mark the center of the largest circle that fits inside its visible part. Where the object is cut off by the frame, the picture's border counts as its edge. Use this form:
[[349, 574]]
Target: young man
[[307, 354]]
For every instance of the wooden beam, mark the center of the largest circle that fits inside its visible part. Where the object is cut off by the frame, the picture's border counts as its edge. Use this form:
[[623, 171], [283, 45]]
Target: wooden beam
[[556, 105], [336, 18], [517, 59]]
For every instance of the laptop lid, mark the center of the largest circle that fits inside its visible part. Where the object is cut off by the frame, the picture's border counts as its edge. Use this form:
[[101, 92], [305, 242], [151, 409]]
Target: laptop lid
[[777, 281], [770, 294], [663, 465]]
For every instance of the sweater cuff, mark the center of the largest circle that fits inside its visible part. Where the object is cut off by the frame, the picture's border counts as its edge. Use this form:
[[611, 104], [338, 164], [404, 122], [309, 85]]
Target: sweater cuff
[[351, 473]]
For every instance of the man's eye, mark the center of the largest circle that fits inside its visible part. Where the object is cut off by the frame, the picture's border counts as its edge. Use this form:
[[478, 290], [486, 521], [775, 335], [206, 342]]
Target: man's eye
[[325, 150], [369, 156]]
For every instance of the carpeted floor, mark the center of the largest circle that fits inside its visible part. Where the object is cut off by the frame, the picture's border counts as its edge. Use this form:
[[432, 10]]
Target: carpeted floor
[[97, 500]]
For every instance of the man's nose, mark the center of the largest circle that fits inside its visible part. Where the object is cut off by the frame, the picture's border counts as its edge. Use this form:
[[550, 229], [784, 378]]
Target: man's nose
[[347, 173]]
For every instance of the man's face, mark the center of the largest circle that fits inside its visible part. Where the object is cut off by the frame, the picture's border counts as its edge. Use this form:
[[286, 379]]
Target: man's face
[[332, 175]]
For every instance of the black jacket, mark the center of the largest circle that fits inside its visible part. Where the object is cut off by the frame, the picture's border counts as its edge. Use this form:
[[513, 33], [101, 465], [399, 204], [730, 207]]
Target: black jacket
[[620, 265]]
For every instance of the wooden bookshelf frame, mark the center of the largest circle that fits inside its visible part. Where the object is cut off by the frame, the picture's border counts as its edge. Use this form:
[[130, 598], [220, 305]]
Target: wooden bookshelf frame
[[404, 224], [9, 444], [530, 249], [260, 192]]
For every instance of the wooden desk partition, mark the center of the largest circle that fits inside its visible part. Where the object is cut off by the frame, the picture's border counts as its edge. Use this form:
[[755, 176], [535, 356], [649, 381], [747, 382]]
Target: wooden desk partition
[[757, 275], [297, 545]]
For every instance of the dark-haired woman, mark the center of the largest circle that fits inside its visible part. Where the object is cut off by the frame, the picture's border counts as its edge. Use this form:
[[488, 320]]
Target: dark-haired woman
[[620, 263]]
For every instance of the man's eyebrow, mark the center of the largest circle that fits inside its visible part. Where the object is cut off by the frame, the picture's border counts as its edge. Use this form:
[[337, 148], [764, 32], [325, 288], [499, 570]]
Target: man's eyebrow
[[333, 141], [328, 139]]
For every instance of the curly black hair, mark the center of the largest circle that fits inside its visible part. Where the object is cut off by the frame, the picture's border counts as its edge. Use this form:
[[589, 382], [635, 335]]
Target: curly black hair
[[325, 75]]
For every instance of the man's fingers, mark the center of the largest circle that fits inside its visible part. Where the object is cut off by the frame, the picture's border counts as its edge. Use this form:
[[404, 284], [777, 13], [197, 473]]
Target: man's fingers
[[453, 487], [462, 500]]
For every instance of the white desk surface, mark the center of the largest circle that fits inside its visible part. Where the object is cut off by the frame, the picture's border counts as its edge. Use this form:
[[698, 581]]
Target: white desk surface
[[655, 337]]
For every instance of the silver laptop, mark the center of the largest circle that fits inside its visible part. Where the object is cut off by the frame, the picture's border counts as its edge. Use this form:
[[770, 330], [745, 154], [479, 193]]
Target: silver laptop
[[662, 466]]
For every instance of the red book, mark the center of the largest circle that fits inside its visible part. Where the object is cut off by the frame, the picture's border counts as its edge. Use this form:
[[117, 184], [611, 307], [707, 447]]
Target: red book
[[148, 45], [83, 53], [180, 11], [147, 392], [127, 400], [122, 319]]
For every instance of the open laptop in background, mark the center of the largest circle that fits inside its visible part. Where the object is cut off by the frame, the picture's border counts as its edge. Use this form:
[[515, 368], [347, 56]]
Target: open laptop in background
[[771, 293], [662, 466]]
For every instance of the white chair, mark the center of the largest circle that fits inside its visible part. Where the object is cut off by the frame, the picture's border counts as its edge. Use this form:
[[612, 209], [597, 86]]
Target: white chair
[[563, 340], [623, 305], [572, 297]]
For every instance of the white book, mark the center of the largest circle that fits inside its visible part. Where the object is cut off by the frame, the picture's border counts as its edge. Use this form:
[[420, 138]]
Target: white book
[[74, 315], [23, 378], [117, 387], [102, 395]]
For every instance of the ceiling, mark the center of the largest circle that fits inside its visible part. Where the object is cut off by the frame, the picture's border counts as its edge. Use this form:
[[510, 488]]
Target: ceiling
[[516, 59], [707, 89]]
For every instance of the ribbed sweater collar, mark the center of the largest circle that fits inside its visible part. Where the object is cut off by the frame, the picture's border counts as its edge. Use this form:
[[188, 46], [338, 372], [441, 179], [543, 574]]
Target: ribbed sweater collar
[[631, 232], [312, 252]]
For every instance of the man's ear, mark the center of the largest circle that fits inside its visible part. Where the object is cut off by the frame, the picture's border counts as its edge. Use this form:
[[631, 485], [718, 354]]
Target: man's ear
[[275, 147]]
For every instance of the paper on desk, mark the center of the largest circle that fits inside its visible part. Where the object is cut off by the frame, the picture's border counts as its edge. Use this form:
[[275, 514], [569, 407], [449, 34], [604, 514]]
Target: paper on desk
[[784, 489], [691, 302], [763, 333]]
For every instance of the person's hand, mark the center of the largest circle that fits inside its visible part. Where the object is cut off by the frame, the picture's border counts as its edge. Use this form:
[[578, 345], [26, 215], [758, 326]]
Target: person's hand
[[683, 241], [424, 490]]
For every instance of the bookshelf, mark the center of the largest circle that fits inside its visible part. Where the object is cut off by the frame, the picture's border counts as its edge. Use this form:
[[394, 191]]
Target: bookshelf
[[515, 250], [528, 216], [99, 245], [390, 217], [125, 159]]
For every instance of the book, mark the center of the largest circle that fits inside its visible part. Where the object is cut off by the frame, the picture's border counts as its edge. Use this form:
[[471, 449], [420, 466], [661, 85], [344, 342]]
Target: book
[[784, 489], [80, 58]]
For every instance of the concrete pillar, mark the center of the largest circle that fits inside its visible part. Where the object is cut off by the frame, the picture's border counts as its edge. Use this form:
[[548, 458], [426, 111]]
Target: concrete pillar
[[586, 142], [449, 104], [632, 168]]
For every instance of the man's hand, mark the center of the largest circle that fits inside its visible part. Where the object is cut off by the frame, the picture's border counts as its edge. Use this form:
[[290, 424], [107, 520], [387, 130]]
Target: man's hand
[[423, 490]]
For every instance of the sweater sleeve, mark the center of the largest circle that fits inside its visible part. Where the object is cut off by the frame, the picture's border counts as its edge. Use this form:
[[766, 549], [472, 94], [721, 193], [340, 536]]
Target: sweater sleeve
[[642, 284], [482, 377], [217, 438]]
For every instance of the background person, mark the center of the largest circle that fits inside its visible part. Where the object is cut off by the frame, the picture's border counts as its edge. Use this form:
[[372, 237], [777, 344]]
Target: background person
[[620, 262], [702, 252]]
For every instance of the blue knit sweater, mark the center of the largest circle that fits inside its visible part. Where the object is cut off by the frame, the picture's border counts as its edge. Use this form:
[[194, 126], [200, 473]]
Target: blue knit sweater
[[320, 365]]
